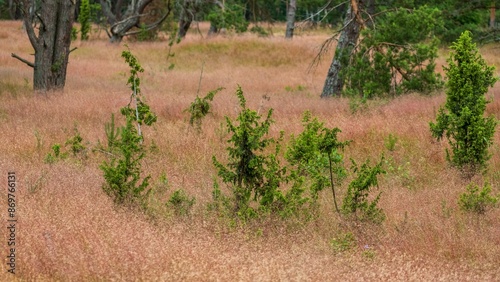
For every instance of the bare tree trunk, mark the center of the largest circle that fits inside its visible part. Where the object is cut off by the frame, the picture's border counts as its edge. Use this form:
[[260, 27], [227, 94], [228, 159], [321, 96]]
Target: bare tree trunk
[[290, 19], [349, 35], [52, 42], [186, 18], [492, 15]]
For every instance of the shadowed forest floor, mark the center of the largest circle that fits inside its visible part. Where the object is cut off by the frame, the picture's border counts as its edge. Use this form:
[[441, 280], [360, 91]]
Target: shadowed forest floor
[[69, 229]]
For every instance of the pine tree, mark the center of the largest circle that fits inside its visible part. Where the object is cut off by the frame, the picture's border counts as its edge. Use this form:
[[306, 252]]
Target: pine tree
[[462, 119]]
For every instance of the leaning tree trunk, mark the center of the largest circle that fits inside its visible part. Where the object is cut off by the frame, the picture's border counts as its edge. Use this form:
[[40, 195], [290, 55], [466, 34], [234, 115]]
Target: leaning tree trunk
[[186, 17], [349, 35], [52, 42], [290, 19], [121, 25]]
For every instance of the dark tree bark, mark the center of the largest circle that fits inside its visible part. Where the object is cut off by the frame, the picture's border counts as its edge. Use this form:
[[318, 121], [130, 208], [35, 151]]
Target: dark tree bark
[[290, 19], [122, 24], [186, 17], [14, 10], [349, 35], [53, 20]]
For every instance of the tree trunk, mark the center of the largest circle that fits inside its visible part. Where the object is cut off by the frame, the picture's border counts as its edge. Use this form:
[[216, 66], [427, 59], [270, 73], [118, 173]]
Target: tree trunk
[[52, 42], [349, 35], [185, 18], [492, 15], [290, 19]]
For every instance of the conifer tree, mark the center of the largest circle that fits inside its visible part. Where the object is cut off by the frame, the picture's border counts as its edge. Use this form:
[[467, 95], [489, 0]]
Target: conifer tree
[[462, 119]]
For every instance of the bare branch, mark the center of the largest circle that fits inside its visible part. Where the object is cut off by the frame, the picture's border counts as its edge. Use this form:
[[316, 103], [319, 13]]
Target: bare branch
[[23, 60], [153, 25], [303, 22], [325, 47]]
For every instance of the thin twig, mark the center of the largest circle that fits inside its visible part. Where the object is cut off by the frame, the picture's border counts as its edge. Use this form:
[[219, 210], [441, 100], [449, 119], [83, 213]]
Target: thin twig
[[201, 76], [325, 47]]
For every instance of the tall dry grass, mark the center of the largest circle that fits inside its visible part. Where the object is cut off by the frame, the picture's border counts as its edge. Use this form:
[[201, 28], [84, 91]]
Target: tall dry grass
[[70, 230]]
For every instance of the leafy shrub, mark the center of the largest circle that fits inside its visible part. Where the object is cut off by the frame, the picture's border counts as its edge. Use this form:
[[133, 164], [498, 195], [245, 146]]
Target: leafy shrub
[[260, 31], [356, 199], [254, 172], [250, 173], [123, 171], [461, 119], [390, 142], [181, 203], [344, 242], [232, 17], [84, 19], [200, 108], [75, 147], [477, 201], [315, 154]]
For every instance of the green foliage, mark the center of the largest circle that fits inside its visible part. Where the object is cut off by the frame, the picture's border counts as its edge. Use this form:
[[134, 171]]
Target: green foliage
[[344, 242], [231, 17], [200, 108], [123, 170], [142, 112], [146, 34], [315, 154], [356, 200], [397, 55], [181, 203], [52, 157], [59, 152], [461, 119], [75, 143], [251, 173], [74, 34], [84, 19], [477, 201], [260, 31], [390, 142]]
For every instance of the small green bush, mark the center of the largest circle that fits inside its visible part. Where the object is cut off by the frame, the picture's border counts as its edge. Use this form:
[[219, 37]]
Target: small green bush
[[316, 154], [201, 108], [477, 201], [181, 203], [344, 242], [250, 173], [122, 171], [84, 19], [356, 199]]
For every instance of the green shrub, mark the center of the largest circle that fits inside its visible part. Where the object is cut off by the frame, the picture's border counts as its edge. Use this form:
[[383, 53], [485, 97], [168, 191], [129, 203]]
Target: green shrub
[[344, 242], [252, 175], [200, 108], [356, 200], [181, 203], [477, 201], [316, 154], [84, 19], [122, 172], [461, 119]]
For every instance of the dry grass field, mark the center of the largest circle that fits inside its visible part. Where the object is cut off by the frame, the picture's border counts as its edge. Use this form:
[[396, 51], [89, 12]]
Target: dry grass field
[[69, 230]]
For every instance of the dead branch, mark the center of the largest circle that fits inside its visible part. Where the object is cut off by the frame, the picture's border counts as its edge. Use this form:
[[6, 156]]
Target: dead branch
[[325, 47], [23, 60], [151, 26]]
